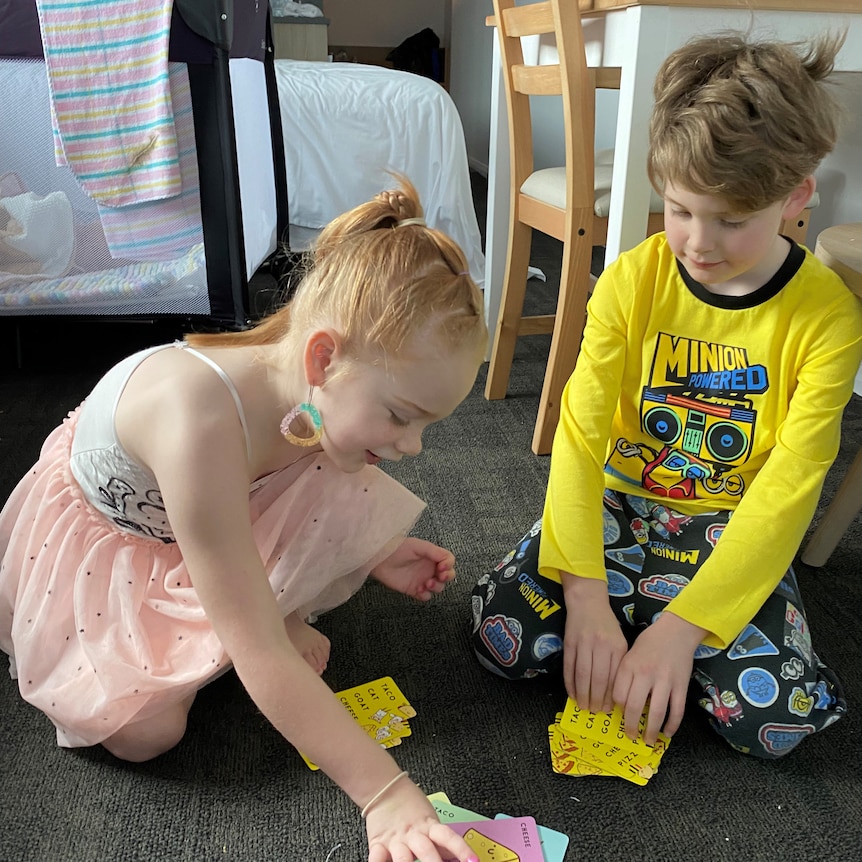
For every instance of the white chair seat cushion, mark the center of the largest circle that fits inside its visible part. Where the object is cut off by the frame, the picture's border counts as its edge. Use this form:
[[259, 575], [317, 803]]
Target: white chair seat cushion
[[549, 185]]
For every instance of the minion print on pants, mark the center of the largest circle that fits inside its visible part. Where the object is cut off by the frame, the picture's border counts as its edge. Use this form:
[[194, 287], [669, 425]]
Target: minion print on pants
[[763, 694]]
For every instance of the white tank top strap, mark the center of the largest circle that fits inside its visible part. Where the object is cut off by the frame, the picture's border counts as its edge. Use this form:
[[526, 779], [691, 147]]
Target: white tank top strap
[[227, 382]]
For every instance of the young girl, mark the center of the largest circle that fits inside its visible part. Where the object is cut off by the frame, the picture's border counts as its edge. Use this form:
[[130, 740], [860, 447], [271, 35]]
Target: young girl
[[211, 495]]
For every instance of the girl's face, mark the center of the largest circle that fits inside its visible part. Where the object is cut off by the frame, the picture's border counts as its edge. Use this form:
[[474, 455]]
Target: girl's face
[[729, 252], [375, 412]]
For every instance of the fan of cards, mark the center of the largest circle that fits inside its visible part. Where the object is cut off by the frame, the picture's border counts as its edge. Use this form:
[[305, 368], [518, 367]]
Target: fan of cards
[[503, 839], [380, 709], [593, 743]]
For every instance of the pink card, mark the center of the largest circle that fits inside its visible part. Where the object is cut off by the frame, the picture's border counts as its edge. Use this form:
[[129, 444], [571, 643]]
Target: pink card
[[515, 839]]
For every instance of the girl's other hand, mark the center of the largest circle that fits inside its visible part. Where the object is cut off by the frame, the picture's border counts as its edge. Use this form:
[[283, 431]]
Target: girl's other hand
[[417, 568], [404, 826]]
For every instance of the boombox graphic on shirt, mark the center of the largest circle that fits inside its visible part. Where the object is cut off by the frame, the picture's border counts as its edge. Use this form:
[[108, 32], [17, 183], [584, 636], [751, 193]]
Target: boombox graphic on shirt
[[697, 421], [707, 428]]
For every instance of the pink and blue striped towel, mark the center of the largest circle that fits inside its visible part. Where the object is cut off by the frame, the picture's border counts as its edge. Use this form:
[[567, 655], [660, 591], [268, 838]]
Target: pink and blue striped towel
[[107, 63]]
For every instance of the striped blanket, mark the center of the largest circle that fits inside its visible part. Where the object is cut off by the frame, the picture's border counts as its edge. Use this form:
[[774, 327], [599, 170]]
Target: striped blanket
[[107, 63]]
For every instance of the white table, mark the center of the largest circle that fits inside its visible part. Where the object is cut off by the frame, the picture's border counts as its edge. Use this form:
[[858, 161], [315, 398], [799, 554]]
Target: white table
[[637, 36]]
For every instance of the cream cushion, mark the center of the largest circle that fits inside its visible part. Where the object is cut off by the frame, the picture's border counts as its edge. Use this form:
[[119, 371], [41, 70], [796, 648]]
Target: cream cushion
[[549, 185]]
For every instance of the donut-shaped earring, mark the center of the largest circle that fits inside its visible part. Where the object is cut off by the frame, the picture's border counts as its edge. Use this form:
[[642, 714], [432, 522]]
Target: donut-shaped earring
[[313, 415]]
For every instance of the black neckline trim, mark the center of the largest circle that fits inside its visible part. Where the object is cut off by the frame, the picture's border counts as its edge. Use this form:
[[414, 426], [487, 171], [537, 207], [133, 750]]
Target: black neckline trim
[[786, 271]]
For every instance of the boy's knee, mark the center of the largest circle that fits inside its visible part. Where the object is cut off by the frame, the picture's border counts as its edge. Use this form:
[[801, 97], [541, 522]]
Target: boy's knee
[[518, 615], [769, 740], [770, 734], [508, 642]]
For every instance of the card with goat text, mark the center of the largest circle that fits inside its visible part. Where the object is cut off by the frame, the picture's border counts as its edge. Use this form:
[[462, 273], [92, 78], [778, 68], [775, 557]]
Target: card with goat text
[[380, 708], [594, 743]]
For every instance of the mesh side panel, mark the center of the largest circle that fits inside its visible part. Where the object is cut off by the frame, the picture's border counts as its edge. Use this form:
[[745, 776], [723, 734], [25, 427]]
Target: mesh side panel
[[60, 253]]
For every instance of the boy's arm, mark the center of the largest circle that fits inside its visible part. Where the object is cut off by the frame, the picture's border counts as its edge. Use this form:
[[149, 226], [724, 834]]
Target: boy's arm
[[765, 531], [572, 546], [572, 518]]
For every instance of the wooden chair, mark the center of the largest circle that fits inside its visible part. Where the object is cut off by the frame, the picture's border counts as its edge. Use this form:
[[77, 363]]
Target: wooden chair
[[560, 202], [840, 248], [797, 228]]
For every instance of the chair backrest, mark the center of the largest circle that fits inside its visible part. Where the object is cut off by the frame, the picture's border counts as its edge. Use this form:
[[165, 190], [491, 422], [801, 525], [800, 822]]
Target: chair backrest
[[571, 79]]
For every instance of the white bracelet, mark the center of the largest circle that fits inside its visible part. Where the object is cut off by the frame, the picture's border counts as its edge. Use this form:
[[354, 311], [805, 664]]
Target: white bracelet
[[380, 793]]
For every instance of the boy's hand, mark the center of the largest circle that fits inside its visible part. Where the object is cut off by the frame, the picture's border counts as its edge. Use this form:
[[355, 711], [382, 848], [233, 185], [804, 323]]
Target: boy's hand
[[593, 645], [657, 668], [417, 568], [403, 825]]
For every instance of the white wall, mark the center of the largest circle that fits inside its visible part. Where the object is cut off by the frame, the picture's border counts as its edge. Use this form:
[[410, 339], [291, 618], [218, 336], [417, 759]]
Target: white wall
[[381, 23], [470, 75]]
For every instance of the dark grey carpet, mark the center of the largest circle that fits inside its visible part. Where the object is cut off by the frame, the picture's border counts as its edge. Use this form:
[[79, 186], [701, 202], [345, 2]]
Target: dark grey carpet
[[234, 790]]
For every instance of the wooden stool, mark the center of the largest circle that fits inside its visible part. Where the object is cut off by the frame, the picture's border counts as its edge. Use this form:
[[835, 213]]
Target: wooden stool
[[840, 248]]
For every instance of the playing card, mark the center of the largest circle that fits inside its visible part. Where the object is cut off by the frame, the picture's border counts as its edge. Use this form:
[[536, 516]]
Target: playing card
[[510, 840], [553, 843], [587, 743], [605, 727], [381, 710]]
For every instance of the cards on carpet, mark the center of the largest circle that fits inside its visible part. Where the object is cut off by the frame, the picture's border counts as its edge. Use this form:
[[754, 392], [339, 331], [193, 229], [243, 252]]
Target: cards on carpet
[[380, 708], [503, 839], [594, 743]]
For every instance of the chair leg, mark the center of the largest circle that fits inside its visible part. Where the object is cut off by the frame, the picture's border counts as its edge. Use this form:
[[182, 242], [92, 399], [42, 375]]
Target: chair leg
[[842, 510], [511, 310], [575, 284]]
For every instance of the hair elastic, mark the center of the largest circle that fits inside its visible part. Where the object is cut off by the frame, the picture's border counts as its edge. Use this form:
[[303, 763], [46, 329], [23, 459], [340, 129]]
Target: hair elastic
[[314, 417], [407, 221], [380, 793]]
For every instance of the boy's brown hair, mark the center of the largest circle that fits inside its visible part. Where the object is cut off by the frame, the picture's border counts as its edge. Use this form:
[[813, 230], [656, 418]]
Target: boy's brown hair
[[747, 121]]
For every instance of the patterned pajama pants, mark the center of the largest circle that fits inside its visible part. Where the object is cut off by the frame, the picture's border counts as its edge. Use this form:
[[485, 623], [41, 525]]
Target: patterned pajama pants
[[764, 693]]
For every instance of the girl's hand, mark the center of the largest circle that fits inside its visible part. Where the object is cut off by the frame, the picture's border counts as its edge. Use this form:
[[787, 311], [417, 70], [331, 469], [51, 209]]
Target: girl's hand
[[417, 568], [658, 668], [593, 644], [403, 826]]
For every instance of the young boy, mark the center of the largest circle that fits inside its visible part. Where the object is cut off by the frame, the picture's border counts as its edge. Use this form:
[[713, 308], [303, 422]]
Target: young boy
[[698, 427]]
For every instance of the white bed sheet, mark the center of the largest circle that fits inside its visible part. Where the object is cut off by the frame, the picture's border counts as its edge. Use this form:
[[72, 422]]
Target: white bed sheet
[[347, 126]]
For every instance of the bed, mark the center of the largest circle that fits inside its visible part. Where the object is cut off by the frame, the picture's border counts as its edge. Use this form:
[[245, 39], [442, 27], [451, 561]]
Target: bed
[[347, 126]]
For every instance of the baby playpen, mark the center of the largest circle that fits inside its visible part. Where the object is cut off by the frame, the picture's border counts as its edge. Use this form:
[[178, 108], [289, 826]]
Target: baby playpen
[[141, 159]]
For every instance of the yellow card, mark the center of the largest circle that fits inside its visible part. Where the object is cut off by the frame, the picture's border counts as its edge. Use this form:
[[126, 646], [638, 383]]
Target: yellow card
[[573, 754], [381, 710], [564, 755], [379, 701], [606, 727], [488, 849], [617, 761]]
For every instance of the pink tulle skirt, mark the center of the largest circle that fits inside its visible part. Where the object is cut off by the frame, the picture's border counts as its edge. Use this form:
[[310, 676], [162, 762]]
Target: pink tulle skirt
[[104, 627]]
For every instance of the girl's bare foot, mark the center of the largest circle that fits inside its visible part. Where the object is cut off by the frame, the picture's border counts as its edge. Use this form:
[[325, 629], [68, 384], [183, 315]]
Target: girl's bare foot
[[309, 642]]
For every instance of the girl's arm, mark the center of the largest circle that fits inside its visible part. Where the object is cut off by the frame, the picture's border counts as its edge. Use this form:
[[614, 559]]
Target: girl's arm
[[193, 443]]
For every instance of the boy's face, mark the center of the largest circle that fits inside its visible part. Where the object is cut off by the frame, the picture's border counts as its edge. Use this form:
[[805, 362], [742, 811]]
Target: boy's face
[[729, 252]]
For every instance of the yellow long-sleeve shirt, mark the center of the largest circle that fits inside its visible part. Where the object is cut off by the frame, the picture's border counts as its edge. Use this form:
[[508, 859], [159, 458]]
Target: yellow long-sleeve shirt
[[704, 402]]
